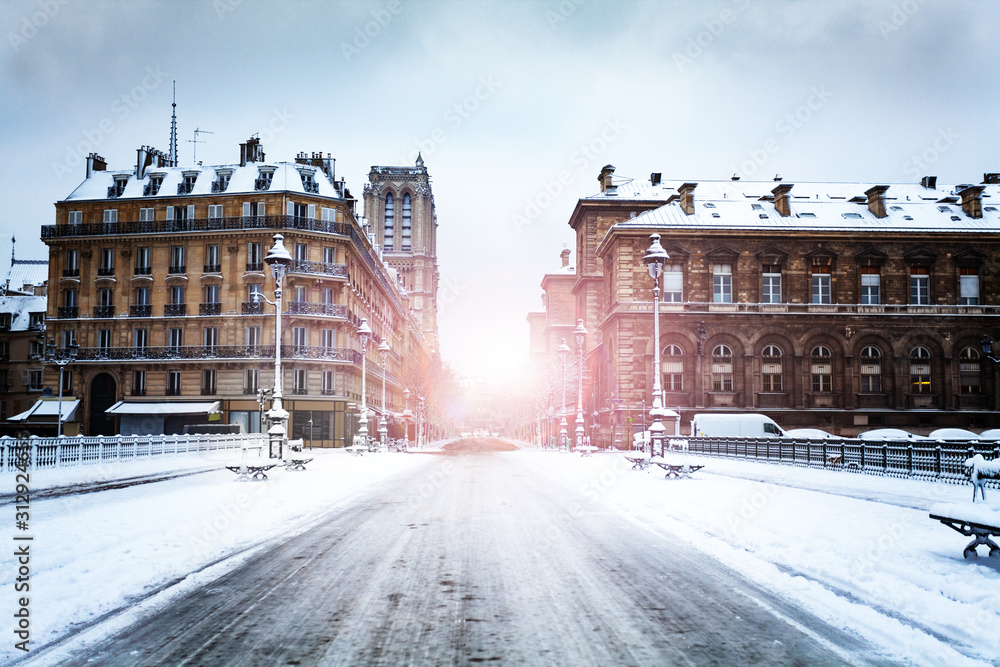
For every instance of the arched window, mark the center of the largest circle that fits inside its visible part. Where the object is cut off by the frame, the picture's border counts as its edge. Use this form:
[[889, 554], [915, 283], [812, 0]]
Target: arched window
[[390, 220], [821, 369], [770, 369], [920, 371], [672, 368], [722, 368], [871, 370], [407, 214], [970, 371]]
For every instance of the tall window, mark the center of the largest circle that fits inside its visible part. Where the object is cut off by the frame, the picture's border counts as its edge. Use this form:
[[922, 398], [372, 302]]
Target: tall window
[[821, 369], [299, 381], [771, 287], [970, 372], [870, 286], [251, 381], [722, 283], [140, 339], [300, 293], [300, 340], [173, 383], [210, 338], [722, 368], [673, 283], [920, 286], [142, 263], [252, 289], [104, 339], [212, 294], [107, 267], [673, 368], [175, 339], [326, 295], [176, 294], [329, 383], [871, 370], [390, 215], [301, 252], [177, 259], [253, 337], [821, 283], [968, 286], [208, 382], [72, 265], [770, 369], [212, 263], [142, 296], [920, 371], [138, 383], [255, 260], [327, 340], [105, 296], [329, 255], [407, 222]]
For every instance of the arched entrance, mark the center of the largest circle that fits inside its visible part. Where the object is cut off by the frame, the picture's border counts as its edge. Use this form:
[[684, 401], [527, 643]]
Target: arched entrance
[[103, 394]]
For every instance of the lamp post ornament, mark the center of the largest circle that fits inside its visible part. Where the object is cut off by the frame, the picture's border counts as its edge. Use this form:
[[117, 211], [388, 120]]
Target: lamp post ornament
[[655, 258], [580, 332], [64, 357], [364, 334], [279, 260], [563, 435], [383, 429]]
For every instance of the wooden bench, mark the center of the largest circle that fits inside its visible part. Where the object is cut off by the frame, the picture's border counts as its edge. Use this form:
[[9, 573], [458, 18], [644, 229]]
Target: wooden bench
[[248, 472]]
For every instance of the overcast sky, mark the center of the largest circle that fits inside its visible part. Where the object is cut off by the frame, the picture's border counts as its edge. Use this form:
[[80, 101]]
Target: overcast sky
[[515, 106]]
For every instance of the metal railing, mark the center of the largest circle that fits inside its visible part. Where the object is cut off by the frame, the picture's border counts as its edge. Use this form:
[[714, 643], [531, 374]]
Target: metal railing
[[197, 225], [209, 308], [48, 453], [921, 459], [312, 308], [103, 312], [318, 268], [68, 312]]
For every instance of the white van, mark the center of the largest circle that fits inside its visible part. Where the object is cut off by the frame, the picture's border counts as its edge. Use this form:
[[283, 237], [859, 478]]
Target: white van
[[736, 426]]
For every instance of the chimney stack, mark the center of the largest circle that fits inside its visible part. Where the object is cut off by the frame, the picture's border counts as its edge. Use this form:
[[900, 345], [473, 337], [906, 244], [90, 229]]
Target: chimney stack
[[876, 200], [654, 178], [782, 200], [95, 163], [607, 172], [929, 182], [991, 179], [687, 197], [565, 257], [972, 200], [144, 158]]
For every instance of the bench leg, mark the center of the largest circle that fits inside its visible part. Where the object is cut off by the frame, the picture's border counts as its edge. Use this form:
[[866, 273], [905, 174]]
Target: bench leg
[[982, 537]]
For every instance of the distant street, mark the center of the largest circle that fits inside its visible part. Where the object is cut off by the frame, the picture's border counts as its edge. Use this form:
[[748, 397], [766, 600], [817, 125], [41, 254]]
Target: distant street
[[476, 557]]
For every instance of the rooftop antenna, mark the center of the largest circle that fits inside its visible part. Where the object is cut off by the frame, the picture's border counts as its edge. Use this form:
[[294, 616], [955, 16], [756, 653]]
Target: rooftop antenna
[[195, 141], [173, 130], [13, 240]]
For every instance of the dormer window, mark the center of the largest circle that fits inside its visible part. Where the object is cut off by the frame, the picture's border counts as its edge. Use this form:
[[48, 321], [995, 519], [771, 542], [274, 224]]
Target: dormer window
[[153, 187], [118, 188], [263, 180], [187, 185], [309, 183], [221, 181]]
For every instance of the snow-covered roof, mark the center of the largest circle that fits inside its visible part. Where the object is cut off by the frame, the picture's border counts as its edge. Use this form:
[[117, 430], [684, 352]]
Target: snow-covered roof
[[287, 177], [813, 207], [25, 274], [20, 307]]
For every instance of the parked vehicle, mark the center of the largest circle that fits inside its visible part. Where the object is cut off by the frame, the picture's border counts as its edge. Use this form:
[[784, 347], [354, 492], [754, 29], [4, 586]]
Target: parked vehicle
[[953, 434], [811, 434], [890, 434], [749, 425]]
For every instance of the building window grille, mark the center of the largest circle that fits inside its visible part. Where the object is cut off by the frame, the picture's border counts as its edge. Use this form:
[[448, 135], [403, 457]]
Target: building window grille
[[920, 371], [970, 372], [672, 368], [722, 368], [722, 283], [871, 370], [771, 369], [821, 369]]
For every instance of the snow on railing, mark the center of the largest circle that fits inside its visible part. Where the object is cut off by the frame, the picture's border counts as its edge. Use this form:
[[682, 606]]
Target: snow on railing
[[929, 460], [66, 452]]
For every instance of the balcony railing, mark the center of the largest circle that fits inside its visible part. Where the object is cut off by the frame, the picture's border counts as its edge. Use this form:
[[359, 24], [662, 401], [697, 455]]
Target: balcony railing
[[634, 307], [208, 352], [209, 308], [71, 272], [319, 268], [152, 188], [68, 312], [185, 188], [142, 271], [311, 308], [138, 391], [174, 309], [104, 312], [212, 268], [195, 225], [140, 311], [177, 268], [299, 391], [208, 391], [249, 390], [262, 184], [219, 186], [251, 308], [311, 186], [327, 391], [105, 270], [255, 267], [173, 391]]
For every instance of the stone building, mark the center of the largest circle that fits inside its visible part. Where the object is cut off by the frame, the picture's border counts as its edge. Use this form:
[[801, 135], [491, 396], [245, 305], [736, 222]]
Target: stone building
[[833, 305], [22, 346], [399, 207], [154, 270]]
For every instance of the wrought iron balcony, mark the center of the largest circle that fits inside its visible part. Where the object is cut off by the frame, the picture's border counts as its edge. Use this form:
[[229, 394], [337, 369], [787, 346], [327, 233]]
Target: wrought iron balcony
[[251, 308], [140, 311], [329, 392], [173, 391], [104, 312], [142, 271], [68, 312], [212, 268], [195, 352], [209, 308], [185, 188], [262, 184], [116, 190], [299, 391], [105, 270], [249, 390], [255, 267], [319, 268], [71, 272], [138, 391], [177, 268], [310, 308], [208, 391], [174, 309], [311, 186], [152, 188], [220, 186]]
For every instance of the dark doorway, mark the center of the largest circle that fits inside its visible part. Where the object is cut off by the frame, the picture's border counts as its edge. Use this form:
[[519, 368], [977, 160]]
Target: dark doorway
[[103, 394]]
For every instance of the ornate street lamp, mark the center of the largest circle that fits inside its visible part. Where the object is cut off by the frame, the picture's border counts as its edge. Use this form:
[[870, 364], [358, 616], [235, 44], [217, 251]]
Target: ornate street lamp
[[364, 334], [383, 428], [62, 359], [420, 422], [656, 257], [407, 415], [581, 333], [563, 350], [987, 346], [279, 260]]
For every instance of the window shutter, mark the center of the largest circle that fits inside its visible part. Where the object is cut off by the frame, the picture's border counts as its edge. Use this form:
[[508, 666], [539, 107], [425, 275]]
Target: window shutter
[[311, 212], [170, 213], [290, 208], [246, 209], [260, 208], [190, 212], [25, 378]]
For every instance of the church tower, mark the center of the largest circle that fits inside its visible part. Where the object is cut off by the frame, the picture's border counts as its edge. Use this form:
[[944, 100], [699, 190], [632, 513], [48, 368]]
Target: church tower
[[399, 206]]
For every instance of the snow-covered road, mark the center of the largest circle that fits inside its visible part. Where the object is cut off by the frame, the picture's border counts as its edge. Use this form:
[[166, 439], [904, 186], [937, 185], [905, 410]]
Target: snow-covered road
[[480, 558]]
